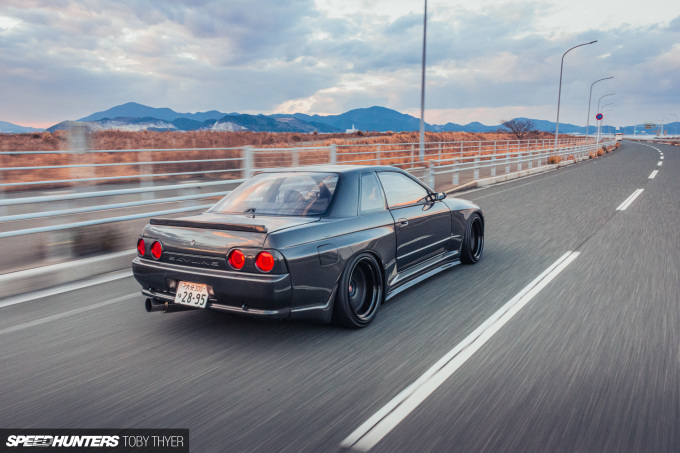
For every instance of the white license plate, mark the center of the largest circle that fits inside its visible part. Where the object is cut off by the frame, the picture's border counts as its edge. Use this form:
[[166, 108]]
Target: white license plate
[[192, 294]]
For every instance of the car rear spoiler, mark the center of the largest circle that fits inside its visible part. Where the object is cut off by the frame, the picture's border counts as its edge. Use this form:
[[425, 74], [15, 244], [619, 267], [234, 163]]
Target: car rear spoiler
[[209, 225]]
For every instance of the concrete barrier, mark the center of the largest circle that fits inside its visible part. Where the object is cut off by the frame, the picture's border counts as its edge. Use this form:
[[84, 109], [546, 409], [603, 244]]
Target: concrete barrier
[[21, 282]]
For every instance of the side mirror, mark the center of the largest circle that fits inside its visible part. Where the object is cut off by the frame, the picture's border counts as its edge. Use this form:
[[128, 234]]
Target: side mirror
[[435, 196]]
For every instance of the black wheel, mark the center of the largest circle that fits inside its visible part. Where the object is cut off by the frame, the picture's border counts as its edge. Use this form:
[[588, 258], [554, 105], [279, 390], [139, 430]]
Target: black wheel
[[473, 242], [359, 293]]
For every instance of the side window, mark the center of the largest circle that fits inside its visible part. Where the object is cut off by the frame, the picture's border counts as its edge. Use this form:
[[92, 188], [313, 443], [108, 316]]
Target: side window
[[401, 190], [372, 199]]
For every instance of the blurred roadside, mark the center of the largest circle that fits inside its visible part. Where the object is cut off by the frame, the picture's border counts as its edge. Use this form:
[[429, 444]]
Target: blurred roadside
[[72, 203]]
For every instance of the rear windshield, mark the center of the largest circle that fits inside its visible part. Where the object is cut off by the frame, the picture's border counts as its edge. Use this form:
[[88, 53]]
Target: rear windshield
[[293, 194]]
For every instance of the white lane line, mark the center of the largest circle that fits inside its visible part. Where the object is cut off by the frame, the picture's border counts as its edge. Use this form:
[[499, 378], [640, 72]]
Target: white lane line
[[661, 157], [659, 164], [629, 200], [386, 419], [66, 314], [64, 288], [650, 146], [653, 174]]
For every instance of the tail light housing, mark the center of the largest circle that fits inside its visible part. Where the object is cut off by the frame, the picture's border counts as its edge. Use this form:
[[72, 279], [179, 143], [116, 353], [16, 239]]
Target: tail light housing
[[264, 261], [156, 250], [237, 259], [254, 260], [141, 247]]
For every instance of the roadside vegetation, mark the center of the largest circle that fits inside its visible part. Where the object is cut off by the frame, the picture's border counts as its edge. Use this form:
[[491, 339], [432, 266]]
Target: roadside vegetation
[[522, 129]]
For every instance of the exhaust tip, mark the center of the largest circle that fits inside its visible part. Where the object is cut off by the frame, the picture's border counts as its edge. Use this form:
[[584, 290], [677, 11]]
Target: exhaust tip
[[150, 306]]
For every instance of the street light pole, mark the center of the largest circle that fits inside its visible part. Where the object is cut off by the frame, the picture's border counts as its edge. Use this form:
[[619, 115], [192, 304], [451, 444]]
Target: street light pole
[[676, 120], [422, 91], [559, 92], [663, 118], [603, 110], [589, 98], [598, 121], [601, 97]]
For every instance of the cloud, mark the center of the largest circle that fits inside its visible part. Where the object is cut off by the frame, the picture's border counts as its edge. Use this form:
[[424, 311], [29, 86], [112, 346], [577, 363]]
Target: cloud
[[73, 57]]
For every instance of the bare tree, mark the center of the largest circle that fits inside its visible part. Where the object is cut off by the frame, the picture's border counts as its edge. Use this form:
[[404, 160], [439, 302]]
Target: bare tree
[[519, 128]]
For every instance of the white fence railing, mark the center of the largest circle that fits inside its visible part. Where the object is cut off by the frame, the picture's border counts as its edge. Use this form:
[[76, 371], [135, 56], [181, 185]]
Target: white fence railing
[[491, 161], [184, 180]]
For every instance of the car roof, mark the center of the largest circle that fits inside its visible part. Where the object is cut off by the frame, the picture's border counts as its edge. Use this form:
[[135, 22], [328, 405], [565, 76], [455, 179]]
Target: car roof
[[344, 169]]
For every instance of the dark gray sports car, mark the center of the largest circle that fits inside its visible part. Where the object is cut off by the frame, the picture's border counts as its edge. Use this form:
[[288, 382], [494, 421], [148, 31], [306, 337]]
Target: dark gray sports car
[[319, 243]]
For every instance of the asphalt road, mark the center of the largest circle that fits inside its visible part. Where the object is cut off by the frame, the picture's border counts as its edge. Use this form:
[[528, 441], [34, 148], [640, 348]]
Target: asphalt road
[[590, 363]]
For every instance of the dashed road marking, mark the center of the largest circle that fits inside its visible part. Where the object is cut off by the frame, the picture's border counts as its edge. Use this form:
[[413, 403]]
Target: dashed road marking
[[629, 200]]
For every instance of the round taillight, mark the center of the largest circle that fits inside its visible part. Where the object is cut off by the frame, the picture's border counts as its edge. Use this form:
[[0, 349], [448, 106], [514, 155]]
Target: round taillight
[[237, 259], [156, 250], [141, 247], [264, 261]]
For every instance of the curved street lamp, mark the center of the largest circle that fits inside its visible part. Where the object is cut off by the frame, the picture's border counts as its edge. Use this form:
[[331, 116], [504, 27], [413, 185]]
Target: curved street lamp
[[598, 111], [589, 99], [604, 110], [559, 92], [598, 101]]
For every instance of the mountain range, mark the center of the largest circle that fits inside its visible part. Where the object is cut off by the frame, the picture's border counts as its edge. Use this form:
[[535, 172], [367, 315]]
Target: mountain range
[[133, 116], [136, 117], [9, 128]]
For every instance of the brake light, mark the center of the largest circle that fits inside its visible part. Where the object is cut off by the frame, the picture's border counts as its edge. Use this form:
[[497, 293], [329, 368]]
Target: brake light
[[141, 247], [264, 261], [156, 250], [237, 259]]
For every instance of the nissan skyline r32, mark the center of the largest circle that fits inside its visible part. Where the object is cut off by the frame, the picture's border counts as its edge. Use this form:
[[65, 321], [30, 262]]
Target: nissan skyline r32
[[327, 243]]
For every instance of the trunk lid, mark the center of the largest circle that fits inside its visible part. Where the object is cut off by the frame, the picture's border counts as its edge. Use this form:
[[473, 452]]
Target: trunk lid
[[212, 235]]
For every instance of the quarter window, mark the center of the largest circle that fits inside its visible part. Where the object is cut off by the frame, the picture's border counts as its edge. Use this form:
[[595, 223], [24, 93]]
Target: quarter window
[[372, 199], [401, 190]]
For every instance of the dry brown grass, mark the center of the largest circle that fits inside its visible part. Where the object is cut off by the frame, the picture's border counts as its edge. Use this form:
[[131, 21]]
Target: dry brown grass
[[41, 141]]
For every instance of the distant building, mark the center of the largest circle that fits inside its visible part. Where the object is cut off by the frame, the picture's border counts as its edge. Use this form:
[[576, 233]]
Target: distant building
[[351, 131]]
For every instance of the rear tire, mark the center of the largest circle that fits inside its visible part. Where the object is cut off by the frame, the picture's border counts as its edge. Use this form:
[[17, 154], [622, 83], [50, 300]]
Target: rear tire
[[473, 242], [360, 292]]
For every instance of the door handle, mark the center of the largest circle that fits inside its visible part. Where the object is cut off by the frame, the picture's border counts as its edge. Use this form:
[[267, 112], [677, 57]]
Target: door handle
[[402, 221]]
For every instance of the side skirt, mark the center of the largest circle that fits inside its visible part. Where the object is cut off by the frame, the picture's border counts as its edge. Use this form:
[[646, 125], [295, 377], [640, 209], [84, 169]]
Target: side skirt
[[420, 278]]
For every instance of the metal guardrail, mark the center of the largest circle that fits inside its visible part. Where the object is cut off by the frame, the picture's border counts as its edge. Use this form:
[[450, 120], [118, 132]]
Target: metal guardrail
[[68, 226], [441, 158], [457, 165]]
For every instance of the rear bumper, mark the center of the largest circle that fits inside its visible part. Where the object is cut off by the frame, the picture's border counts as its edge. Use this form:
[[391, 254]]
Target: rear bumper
[[258, 295]]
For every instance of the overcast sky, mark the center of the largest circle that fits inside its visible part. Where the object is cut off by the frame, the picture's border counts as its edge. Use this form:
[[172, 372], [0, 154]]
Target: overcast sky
[[486, 60]]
